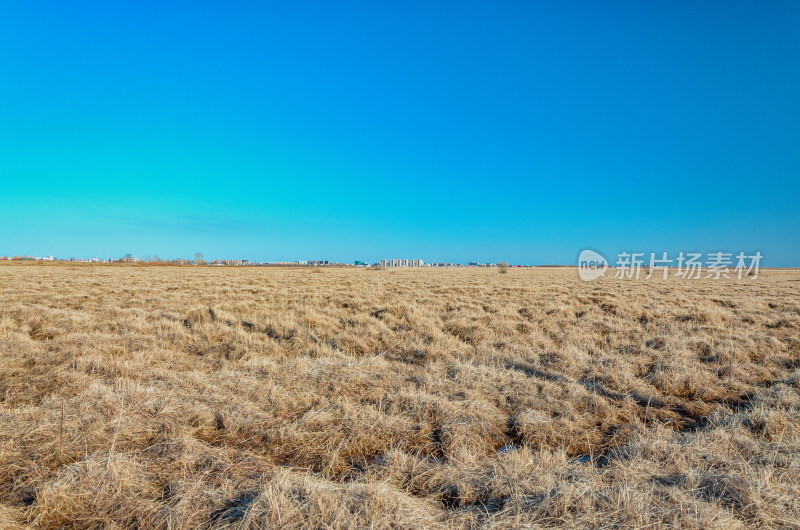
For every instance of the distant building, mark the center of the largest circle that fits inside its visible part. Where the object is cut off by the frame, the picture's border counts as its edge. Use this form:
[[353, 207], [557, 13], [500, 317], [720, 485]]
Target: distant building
[[402, 262], [234, 262]]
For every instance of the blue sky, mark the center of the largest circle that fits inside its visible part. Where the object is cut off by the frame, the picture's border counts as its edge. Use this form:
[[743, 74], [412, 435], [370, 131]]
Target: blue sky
[[459, 131]]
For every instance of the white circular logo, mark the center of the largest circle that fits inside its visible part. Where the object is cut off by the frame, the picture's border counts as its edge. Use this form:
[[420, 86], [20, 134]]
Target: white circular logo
[[591, 265]]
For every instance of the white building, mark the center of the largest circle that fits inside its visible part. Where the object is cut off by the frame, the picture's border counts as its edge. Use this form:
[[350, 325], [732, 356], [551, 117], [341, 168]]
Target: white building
[[405, 262]]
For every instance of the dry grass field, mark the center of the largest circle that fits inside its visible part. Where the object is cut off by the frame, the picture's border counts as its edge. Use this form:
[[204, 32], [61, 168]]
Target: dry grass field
[[178, 397]]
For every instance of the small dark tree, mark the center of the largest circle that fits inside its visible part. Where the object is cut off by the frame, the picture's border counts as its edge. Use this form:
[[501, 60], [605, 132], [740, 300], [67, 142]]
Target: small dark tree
[[502, 267], [198, 258]]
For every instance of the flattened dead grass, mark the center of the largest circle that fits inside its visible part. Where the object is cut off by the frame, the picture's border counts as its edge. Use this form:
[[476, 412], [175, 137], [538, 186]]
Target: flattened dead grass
[[167, 397]]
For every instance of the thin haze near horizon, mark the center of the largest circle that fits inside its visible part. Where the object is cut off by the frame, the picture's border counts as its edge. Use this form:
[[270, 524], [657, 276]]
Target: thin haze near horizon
[[460, 131]]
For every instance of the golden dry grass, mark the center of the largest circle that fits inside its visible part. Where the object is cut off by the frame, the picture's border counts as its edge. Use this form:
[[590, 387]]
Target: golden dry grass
[[167, 397]]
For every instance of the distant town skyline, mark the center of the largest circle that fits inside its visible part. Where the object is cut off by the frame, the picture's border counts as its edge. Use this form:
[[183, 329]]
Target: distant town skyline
[[199, 258], [455, 132]]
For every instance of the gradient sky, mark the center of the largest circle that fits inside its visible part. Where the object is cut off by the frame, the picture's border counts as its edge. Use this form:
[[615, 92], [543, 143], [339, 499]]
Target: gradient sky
[[459, 131]]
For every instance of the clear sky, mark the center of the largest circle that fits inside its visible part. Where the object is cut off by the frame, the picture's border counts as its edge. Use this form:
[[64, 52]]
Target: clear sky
[[520, 131]]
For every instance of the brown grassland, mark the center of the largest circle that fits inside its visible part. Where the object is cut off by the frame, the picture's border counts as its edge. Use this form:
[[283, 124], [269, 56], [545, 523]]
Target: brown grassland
[[180, 397]]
